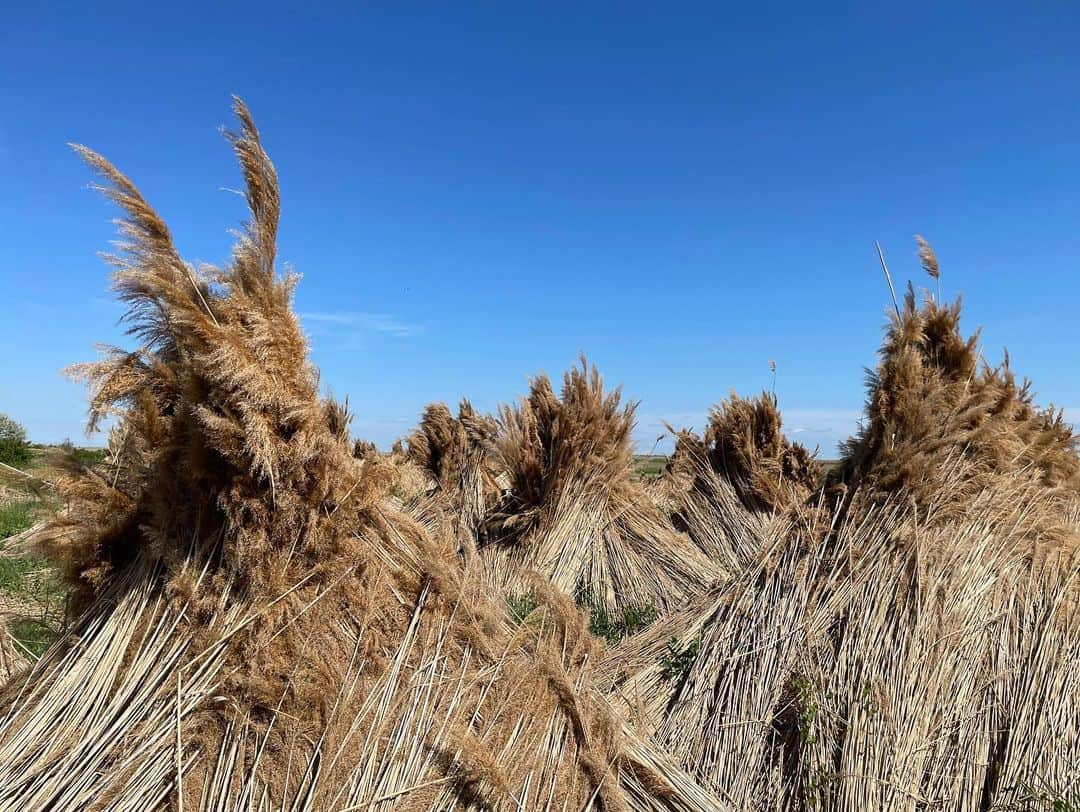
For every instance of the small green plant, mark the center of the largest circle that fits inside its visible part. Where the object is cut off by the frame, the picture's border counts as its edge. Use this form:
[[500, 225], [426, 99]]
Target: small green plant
[[613, 627], [520, 607], [16, 517], [806, 710], [677, 662], [39, 601], [14, 449]]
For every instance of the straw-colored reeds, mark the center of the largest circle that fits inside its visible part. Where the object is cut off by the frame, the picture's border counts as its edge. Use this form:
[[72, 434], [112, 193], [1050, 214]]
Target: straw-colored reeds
[[455, 454], [572, 510]]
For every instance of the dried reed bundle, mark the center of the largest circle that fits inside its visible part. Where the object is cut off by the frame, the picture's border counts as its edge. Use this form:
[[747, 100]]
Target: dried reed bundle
[[747, 447], [704, 504], [870, 674], [950, 679], [712, 680], [933, 409], [574, 513], [456, 454], [726, 489], [893, 654], [263, 628]]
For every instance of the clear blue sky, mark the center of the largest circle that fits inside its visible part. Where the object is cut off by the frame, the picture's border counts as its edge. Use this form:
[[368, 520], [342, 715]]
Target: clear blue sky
[[475, 192]]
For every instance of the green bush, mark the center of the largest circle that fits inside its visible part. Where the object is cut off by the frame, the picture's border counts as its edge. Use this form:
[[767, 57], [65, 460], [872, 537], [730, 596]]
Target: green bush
[[14, 449], [520, 607], [32, 634]]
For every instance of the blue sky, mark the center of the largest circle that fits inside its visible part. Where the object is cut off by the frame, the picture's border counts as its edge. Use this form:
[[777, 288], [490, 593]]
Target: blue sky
[[477, 192]]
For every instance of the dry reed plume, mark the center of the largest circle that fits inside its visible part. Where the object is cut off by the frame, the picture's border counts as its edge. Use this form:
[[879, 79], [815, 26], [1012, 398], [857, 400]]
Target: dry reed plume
[[935, 407], [456, 455], [725, 489]]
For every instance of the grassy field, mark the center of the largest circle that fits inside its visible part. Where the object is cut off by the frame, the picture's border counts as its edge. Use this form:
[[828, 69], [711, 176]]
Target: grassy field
[[32, 598]]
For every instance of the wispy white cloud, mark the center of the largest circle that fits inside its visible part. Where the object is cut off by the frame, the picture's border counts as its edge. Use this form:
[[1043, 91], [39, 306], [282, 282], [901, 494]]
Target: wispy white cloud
[[375, 322]]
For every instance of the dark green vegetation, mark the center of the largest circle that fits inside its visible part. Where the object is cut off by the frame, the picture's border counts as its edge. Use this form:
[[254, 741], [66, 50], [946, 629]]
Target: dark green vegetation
[[613, 627], [679, 659], [14, 448]]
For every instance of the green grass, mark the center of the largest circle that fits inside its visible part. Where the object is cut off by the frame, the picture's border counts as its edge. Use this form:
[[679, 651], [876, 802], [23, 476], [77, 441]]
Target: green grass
[[32, 634], [33, 596], [37, 600], [16, 517]]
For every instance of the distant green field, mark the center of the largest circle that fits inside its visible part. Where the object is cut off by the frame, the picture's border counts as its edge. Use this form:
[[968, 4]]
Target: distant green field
[[648, 466]]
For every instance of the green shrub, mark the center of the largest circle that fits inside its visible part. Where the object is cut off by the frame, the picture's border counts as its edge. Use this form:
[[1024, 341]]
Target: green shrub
[[520, 607], [14, 449], [32, 634]]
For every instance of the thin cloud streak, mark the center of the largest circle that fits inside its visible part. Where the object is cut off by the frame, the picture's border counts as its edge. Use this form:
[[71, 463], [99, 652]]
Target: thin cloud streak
[[375, 322]]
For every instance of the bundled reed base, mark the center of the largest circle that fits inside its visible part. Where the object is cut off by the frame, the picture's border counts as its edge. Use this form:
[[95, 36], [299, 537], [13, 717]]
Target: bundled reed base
[[263, 629], [574, 513]]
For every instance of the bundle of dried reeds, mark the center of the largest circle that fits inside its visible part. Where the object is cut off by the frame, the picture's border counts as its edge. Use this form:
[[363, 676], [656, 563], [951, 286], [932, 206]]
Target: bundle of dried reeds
[[934, 407], [724, 490], [747, 447], [574, 513], [456, 454]]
